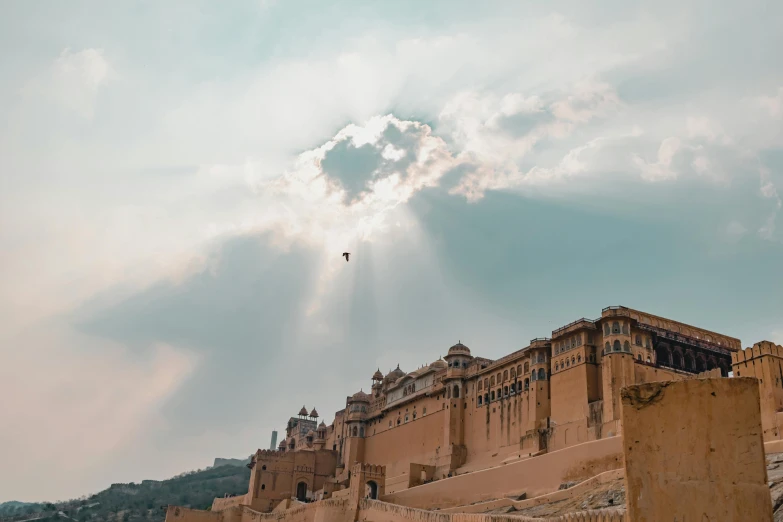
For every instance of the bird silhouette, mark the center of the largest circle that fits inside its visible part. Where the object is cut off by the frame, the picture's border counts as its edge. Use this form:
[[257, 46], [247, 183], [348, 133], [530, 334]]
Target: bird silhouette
[[345, 255]]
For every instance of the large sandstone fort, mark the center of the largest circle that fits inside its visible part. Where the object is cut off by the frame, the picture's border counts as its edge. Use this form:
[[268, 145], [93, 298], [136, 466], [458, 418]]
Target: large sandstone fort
[[470, 437]]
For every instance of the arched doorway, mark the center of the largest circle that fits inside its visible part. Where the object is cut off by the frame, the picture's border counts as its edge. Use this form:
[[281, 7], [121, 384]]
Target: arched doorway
[[301, 492], [372, 490]]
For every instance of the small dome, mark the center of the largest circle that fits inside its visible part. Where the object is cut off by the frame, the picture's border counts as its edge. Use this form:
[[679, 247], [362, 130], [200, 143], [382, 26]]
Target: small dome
[[395, 374], [310, 434], [360, 396], [459, 349], [303, 411], [282, 444], [322, 425], [314, 413], [440, 363], [377, 376]]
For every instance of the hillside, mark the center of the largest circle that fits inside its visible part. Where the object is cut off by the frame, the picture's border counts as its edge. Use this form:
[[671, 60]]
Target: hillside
[[136, 502]]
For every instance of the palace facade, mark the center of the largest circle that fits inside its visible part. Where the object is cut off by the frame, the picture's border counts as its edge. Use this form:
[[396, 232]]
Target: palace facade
[[464, 413]]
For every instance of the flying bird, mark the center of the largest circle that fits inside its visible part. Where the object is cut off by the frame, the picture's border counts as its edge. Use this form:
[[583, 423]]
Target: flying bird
[[345, 255]]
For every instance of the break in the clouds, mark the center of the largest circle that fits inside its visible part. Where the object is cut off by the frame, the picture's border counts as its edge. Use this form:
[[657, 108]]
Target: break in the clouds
[[173, 206]]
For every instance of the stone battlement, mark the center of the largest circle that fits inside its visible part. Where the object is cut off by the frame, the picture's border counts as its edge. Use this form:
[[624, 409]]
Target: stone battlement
[[759, 349], [368, 469]]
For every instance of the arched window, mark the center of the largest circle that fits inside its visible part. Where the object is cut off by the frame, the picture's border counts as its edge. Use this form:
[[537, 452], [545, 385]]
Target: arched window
[[607, 348], [479, 400], [615, 327], [399, 420], [486, 382], [527, 383], [263, 486], [626, 330], [486, 398], [519, 369], [638, 340], [541, 374], [498, 379], [500, 393], [606, 329], [638, 357], [627, 346], [480, 385], [557, 367], [513, 387], [406, 417], [456, 392], [505, 391], [492, 381], [513, 374], [676, 358], [355, 431], [361, 431], [414, 414], [579, 340], [648, 359], [505, 375], [493, 395], [689, 364], [568, 363], [527, 367], [617, 346], [532, 376], [579, 358], [573, 360]]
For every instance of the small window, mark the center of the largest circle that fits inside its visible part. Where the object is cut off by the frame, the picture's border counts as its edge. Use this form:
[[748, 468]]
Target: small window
[[527, 367], [479, 400], [263, 486], [556, 367], [639, 357], [568, 363], [505, 375], [505, 391], [648, 359], [263, 468], [480, 384], [579, 358], [638, 340], [617, 346], [513, 374], [406, 417], [398, 421], [606, 329], [492, 381], [615, 327]]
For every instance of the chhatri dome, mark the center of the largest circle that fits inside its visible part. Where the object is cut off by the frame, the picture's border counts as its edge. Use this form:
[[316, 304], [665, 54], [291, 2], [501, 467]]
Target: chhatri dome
[[459, 349], [360, 396], [395, 374], [437, 365], [303, 412], [377, 376], [314, 414]]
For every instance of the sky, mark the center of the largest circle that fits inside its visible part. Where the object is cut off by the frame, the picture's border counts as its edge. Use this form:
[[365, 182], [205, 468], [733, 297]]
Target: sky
[[178, 181]]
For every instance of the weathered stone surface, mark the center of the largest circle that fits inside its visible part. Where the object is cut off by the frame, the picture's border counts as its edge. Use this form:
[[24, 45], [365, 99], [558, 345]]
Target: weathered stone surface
[[694, 452]]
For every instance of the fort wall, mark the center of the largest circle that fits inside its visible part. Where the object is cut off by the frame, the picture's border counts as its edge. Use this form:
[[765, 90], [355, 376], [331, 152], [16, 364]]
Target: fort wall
[[376, 511], [686, 459], [533, 476]]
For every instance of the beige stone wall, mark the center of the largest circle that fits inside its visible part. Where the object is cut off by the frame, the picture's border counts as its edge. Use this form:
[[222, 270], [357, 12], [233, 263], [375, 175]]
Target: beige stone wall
[[764, 361], [219, 504], [416, 441], [694, 451], [376, 511], [534, 476]]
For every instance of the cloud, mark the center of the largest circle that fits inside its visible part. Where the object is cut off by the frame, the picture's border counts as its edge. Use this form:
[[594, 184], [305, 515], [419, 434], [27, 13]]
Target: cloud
[[773, 104], [75, 78]]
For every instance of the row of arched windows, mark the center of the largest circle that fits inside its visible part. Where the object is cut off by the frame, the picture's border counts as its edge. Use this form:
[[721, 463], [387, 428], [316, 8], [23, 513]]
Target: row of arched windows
[[514, 387], [566, 363], [616, 328], [617, 347]]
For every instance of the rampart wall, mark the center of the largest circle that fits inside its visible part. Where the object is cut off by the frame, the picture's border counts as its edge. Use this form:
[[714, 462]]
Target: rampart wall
[[376, 511], [534, 476]]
